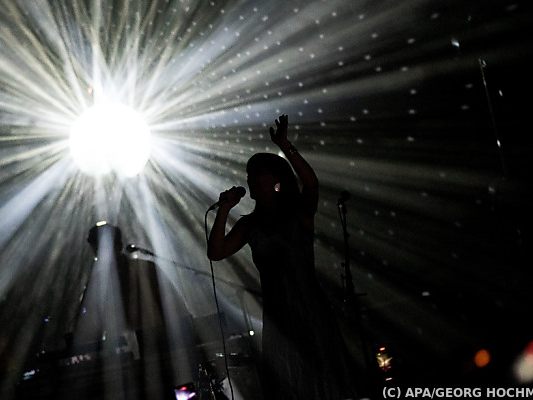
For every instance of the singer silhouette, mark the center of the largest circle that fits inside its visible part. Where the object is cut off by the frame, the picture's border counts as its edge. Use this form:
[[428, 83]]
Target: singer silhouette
[[303, 355]]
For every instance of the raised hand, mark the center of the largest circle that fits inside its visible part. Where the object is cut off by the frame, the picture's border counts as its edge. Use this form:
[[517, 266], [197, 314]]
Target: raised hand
[[279, 135]]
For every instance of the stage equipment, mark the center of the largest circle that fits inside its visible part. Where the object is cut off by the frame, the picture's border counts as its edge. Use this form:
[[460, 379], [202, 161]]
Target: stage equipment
[[132, 248], [210, 388], [213, 282], [185, 391], [352, 307]]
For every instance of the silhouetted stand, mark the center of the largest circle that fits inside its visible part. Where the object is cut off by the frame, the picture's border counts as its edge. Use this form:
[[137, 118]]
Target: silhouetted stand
[[352, 306]]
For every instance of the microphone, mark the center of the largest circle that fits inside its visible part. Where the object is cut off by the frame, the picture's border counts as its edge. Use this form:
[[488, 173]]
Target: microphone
[[345, 196], [239, 191], [131, 248]]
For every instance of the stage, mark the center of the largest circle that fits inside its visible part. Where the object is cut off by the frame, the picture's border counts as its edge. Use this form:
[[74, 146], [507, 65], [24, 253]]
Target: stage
[[414, 115]]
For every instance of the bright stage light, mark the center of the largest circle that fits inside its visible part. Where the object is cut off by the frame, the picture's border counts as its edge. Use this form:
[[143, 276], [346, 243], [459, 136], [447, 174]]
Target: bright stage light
[[110, 137]]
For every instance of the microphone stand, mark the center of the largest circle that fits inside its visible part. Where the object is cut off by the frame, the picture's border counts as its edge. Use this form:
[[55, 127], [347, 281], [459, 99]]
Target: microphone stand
[[195, 271], [351, 299]]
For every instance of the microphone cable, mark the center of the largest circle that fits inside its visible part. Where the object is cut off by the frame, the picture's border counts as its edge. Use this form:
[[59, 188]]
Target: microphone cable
[[218, 310]]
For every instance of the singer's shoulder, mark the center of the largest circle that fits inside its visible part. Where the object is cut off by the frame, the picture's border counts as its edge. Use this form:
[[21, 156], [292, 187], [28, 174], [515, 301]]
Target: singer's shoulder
[[240, 232], [246, 219], [245, 222]]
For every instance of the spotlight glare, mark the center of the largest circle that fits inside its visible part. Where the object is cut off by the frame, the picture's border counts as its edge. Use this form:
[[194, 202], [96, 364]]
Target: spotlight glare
[[110, 137]]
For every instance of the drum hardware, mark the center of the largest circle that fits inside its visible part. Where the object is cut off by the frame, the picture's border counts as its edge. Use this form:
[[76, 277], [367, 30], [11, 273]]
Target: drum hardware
[[209, 387]]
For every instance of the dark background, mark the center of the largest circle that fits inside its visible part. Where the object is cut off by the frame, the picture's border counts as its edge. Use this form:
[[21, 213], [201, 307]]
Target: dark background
[[399, 103]]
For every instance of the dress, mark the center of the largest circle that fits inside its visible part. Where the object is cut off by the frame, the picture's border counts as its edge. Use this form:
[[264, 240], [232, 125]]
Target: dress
[[303, 352]]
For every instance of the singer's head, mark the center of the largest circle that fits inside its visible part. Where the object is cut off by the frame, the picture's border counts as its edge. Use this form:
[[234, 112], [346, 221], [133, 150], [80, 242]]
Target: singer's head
[[272, 183], [105, 236]]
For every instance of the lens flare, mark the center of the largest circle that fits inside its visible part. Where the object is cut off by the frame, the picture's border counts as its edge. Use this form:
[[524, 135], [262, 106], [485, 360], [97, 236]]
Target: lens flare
[[482, 358], [110, 137]]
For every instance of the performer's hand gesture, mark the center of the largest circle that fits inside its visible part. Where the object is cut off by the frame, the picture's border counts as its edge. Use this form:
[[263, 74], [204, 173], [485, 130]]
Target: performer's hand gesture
[[279, 135]]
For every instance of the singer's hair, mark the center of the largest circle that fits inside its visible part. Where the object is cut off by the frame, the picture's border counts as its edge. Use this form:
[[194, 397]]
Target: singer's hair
[[279, 168]]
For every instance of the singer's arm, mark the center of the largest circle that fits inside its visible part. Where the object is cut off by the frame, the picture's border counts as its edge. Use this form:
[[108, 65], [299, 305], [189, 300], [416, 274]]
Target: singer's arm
[[305, 172], [221, 245]]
